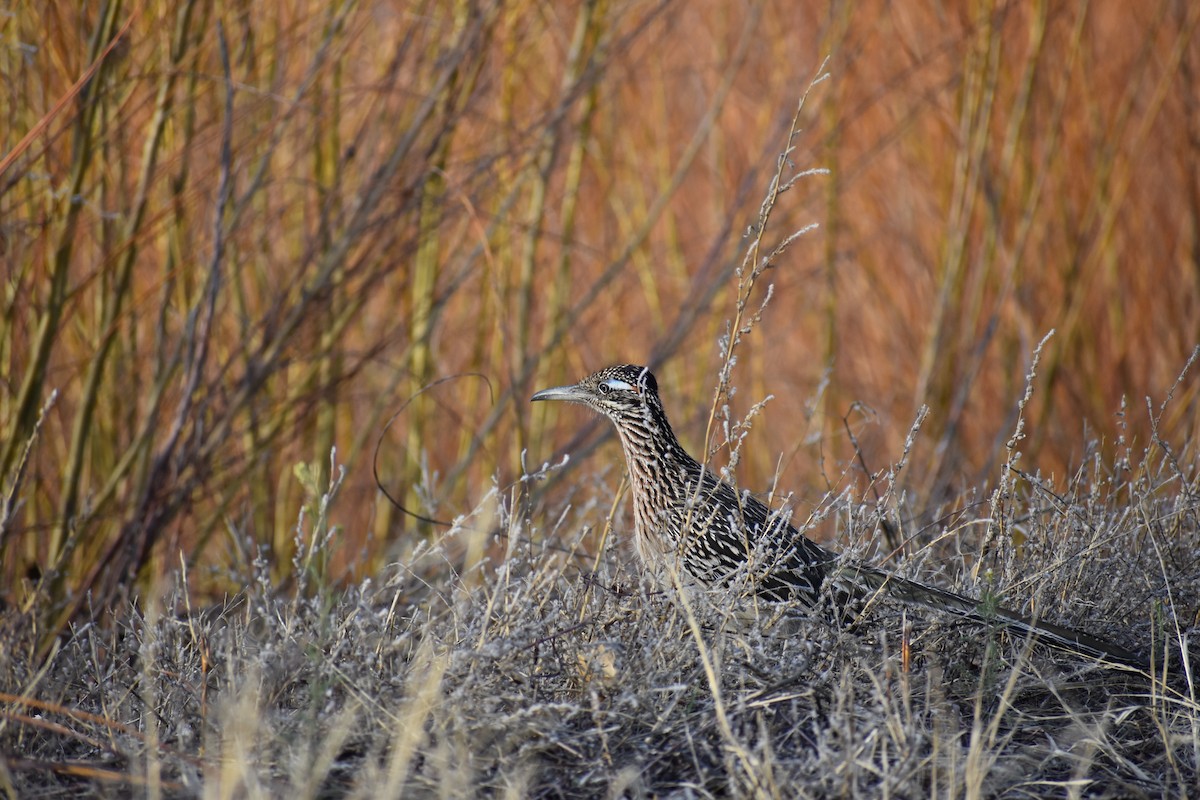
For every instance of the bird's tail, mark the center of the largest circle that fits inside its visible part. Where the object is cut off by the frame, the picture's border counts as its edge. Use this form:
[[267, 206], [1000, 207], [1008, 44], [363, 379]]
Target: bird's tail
[[865, 582]]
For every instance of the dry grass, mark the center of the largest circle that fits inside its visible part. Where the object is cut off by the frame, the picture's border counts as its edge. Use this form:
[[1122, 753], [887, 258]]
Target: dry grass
[[539, 672]]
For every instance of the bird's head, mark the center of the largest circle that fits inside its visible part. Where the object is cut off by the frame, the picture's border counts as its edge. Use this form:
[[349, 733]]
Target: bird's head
[[620, 393]]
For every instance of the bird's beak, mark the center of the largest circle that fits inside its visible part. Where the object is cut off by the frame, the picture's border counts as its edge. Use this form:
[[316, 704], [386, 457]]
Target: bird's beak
[[573, 393]]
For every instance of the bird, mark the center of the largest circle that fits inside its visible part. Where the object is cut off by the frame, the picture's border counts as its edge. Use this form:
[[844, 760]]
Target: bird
[[688, 519]]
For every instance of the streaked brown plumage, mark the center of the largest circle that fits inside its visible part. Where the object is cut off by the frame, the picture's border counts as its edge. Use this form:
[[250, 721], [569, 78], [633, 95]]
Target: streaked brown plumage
[[685, 516]]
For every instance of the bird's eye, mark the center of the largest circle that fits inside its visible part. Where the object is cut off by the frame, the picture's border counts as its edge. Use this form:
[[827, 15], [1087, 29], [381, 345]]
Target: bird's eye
[[614, 384]]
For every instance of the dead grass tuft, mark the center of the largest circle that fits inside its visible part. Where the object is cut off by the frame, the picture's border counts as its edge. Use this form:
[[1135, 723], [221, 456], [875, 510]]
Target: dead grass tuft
[[532, 675]]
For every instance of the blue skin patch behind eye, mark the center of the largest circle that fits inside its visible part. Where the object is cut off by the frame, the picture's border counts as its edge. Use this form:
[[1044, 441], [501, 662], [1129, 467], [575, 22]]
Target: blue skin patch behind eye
[[616, 383]]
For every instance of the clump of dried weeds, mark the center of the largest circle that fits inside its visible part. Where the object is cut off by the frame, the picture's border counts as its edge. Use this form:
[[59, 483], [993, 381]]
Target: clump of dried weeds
[[502, 660]]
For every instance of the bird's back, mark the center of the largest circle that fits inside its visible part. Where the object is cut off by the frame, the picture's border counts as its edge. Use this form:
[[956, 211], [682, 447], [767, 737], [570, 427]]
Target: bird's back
[[716, 532]]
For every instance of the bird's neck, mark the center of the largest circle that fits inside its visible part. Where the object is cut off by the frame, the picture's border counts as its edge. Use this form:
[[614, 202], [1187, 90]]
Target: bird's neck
[[660, 471], [648, 440]]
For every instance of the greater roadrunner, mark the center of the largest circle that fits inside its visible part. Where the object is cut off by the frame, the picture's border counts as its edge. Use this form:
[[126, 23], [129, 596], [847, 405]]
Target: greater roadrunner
[[686, 517]]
